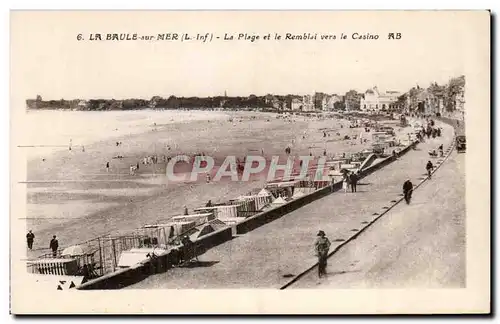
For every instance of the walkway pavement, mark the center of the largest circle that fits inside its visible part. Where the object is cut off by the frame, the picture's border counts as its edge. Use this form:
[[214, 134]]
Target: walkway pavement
[[270, 256], [423, 244]]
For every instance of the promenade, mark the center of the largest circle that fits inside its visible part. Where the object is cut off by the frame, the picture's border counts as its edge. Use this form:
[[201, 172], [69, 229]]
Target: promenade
[[423, 245], [270, 256]]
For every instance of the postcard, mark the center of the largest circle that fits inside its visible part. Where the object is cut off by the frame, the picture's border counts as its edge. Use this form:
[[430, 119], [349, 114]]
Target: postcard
[[250, 162]]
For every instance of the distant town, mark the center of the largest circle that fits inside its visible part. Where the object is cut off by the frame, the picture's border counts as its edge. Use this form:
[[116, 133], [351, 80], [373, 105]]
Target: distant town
[[435, 99]]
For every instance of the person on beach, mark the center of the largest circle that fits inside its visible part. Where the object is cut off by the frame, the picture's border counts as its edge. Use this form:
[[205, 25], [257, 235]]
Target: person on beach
[[70, 144], [54, 245], [321, 247], [407, 190], [353, 179], [429, 168], [107, 166], [30, 237], [186, 212], [209, 204]]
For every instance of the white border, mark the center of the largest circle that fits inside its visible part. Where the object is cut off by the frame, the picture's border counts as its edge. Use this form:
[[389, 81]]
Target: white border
[[100, 4]]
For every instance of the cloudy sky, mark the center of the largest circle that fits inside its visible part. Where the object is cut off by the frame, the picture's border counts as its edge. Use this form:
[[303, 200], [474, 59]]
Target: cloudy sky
[[47, 58]]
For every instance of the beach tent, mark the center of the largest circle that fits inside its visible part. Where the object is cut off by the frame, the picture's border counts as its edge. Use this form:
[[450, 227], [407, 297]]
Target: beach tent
[[299, 192], [279, 201], [264, 192]]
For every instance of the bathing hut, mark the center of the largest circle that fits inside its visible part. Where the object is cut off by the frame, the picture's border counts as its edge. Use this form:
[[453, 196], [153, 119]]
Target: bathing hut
[[74, 261], [299, 192], [248, 205], [197, 218], [279, 201], [136, 256], [164, 234], [282, 188], [55, 266], [221, 211]]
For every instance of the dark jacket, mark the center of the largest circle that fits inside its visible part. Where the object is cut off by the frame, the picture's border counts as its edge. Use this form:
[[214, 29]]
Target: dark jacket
[[54, 244], [429, 165], [353, 178], [322, 245], [30, 236], [407, 186]]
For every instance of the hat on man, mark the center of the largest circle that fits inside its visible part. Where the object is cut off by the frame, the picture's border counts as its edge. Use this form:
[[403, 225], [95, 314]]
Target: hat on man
[[321, 233]]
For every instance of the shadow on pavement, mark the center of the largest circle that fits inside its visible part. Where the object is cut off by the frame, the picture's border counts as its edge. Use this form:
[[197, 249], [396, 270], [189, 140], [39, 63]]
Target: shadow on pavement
[[199, 264]]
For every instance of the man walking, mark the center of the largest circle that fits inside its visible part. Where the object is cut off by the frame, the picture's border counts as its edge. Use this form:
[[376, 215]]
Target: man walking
[[441, 150], [407, 190], [354, 181], [54, 245], [30, 237], [429, 168], [321, 247]]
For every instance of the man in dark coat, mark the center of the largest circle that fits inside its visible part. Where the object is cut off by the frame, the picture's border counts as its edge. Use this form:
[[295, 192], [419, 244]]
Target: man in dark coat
[[30, 237], [321, 247], [354, 181], [407, 190], [429, 168], [54, 245]]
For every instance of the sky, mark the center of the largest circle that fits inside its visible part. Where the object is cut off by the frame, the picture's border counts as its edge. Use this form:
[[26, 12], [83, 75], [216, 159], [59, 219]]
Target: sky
[[47, 59]]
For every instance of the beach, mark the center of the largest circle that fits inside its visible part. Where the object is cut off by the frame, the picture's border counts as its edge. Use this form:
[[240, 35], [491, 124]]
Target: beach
[[71, 194]]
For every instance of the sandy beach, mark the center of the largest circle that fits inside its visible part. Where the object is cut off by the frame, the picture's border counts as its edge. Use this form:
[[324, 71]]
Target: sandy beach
[[71, 195]]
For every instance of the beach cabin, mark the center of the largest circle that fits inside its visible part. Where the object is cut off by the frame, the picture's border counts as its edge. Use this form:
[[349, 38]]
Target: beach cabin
[[199, 219], [74, 260], [136, 256], [278, 201], [282, 188], [55, 266], [247, 204], [264, 197], [221, 211], [165, 234]]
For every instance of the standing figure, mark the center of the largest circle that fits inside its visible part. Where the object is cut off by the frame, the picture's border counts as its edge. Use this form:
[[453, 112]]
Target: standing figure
[[54, 245], [186, 212], [354, 181], [407, 190], [345, 183], [429, 168], [30, 237], [107, 166], [321, 247]]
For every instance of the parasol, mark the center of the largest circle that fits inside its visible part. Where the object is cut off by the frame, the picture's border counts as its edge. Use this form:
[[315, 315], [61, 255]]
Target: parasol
[[73, 250]]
